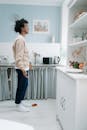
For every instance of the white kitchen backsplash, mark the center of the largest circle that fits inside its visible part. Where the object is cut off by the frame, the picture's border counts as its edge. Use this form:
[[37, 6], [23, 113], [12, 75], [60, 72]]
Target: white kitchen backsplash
[[45, 50]]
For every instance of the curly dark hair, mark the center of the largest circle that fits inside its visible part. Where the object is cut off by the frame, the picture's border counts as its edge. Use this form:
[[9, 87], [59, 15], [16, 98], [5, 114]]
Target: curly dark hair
[[19, 24]]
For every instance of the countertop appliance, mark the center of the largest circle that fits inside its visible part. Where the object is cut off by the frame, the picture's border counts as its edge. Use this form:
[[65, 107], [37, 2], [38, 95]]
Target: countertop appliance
[[47, 60], [56, 60]]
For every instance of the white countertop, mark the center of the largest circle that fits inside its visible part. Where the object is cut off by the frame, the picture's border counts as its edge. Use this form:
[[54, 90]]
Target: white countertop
[[34, 65], [7, 65], [75, 76], [45, 65]]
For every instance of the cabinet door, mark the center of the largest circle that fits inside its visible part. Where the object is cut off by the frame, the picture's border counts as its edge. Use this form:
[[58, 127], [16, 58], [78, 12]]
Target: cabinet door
[[59, 95], [66, 93]]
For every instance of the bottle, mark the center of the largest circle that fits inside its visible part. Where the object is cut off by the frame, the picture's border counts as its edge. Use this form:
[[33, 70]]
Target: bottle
[[53, 39]]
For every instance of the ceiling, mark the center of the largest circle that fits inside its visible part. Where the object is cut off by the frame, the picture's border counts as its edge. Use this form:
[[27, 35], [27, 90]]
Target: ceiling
[[33, 2]]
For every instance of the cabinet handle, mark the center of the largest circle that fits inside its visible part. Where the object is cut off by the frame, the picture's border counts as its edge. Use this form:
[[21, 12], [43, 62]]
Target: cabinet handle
[[59, 122], [63, 103]]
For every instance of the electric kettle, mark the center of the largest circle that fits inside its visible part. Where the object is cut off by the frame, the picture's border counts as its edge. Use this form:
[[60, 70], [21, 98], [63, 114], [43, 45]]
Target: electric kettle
[[56, 60]]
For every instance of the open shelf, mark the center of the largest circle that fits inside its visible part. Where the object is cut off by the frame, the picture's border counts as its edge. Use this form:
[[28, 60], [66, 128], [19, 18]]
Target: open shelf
[[80, 23], [81, 43], [71, 3]]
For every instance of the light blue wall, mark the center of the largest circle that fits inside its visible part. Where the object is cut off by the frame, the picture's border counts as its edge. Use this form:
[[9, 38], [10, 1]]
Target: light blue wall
[[7, 13]]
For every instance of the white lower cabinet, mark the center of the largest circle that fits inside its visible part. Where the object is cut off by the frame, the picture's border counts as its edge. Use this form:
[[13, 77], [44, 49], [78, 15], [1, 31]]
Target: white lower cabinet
[[70, 96]]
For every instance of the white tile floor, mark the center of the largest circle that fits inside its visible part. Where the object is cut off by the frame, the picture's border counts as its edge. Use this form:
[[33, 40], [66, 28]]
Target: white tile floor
[[42, 117]]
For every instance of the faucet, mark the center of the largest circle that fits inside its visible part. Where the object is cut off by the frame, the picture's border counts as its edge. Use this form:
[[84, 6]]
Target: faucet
[[35, 56]]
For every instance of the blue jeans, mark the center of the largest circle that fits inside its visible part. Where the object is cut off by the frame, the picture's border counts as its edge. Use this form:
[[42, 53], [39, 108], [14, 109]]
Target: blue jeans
[[21, 87]]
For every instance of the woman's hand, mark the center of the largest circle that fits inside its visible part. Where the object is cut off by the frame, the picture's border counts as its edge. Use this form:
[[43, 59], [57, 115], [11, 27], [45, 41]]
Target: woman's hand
[[24, 73], [30, 66]]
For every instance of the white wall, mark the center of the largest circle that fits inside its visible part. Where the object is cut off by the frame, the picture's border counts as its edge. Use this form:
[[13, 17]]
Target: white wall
[[49, 49]]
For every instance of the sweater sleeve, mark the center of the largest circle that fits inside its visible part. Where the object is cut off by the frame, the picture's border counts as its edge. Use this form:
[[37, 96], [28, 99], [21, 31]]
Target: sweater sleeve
[[19, 53]]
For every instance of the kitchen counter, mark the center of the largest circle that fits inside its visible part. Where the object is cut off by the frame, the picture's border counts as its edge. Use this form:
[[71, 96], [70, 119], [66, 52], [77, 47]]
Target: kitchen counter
[[33, 65], [71, 100], [45, 65], [76, 76], [7, 65]]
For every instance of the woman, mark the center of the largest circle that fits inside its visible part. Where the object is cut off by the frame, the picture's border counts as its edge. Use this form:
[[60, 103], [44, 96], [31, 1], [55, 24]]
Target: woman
[[21, 57]]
